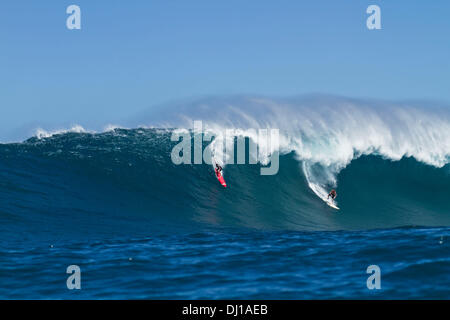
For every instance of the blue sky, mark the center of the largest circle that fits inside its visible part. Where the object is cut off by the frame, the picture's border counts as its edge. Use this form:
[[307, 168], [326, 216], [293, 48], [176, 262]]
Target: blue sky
[[132, 55]]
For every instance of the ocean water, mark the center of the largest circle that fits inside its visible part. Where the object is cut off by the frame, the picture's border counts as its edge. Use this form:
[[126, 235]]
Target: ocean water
[[414, 264], [140, 226]]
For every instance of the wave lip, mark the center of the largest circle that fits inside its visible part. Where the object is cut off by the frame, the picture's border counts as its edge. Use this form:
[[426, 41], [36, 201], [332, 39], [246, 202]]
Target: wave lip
[[41, 133], [325, 129]]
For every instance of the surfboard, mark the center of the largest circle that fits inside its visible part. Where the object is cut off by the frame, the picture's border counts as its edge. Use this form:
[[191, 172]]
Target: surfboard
[[220, 178], [331, 204], [219, 175]]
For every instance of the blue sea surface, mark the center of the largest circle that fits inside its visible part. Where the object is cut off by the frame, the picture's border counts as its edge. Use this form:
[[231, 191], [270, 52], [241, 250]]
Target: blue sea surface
[[414, 264]]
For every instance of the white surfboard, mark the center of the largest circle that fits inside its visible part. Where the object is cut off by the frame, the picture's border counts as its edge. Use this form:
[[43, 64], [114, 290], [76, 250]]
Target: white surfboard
[[332, 204], [322, 194]]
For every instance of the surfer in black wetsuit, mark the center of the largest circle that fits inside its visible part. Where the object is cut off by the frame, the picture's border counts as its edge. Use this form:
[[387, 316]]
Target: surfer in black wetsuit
[[218, 168], [332, 194]]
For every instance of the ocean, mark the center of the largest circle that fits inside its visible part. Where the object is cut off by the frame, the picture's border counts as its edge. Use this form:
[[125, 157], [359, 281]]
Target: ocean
[[139, 226]]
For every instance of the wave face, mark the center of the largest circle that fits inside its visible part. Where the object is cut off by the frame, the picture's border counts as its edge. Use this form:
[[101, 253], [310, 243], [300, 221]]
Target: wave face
[[123, 181]]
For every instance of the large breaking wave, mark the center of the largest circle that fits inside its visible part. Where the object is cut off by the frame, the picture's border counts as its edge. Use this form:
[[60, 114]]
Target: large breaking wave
[[388, 162]]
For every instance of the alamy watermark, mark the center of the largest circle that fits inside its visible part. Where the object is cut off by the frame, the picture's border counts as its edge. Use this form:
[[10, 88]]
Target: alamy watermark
[[263, 147], [74, 20], [374, 20], [74, 280], [374, 280]]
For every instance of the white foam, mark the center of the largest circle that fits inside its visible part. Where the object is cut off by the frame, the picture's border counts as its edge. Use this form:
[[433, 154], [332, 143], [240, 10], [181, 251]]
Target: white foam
[[335, 132], [41, 133], [112, 127]]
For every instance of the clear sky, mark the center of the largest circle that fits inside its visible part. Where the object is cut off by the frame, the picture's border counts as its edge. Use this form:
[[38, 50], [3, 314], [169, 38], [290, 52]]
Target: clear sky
[[132, 55]]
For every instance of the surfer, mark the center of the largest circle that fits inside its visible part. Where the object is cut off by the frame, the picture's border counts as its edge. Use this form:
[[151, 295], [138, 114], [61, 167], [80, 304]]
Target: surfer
[[332, 194], [218, 171]]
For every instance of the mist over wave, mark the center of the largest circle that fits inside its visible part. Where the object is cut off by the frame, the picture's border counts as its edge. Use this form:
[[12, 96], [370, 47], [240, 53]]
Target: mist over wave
[[327, 129]]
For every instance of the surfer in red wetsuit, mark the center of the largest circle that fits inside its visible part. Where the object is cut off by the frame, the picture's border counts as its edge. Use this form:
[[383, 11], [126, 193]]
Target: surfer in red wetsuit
[[218, 171], [332, 194]]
